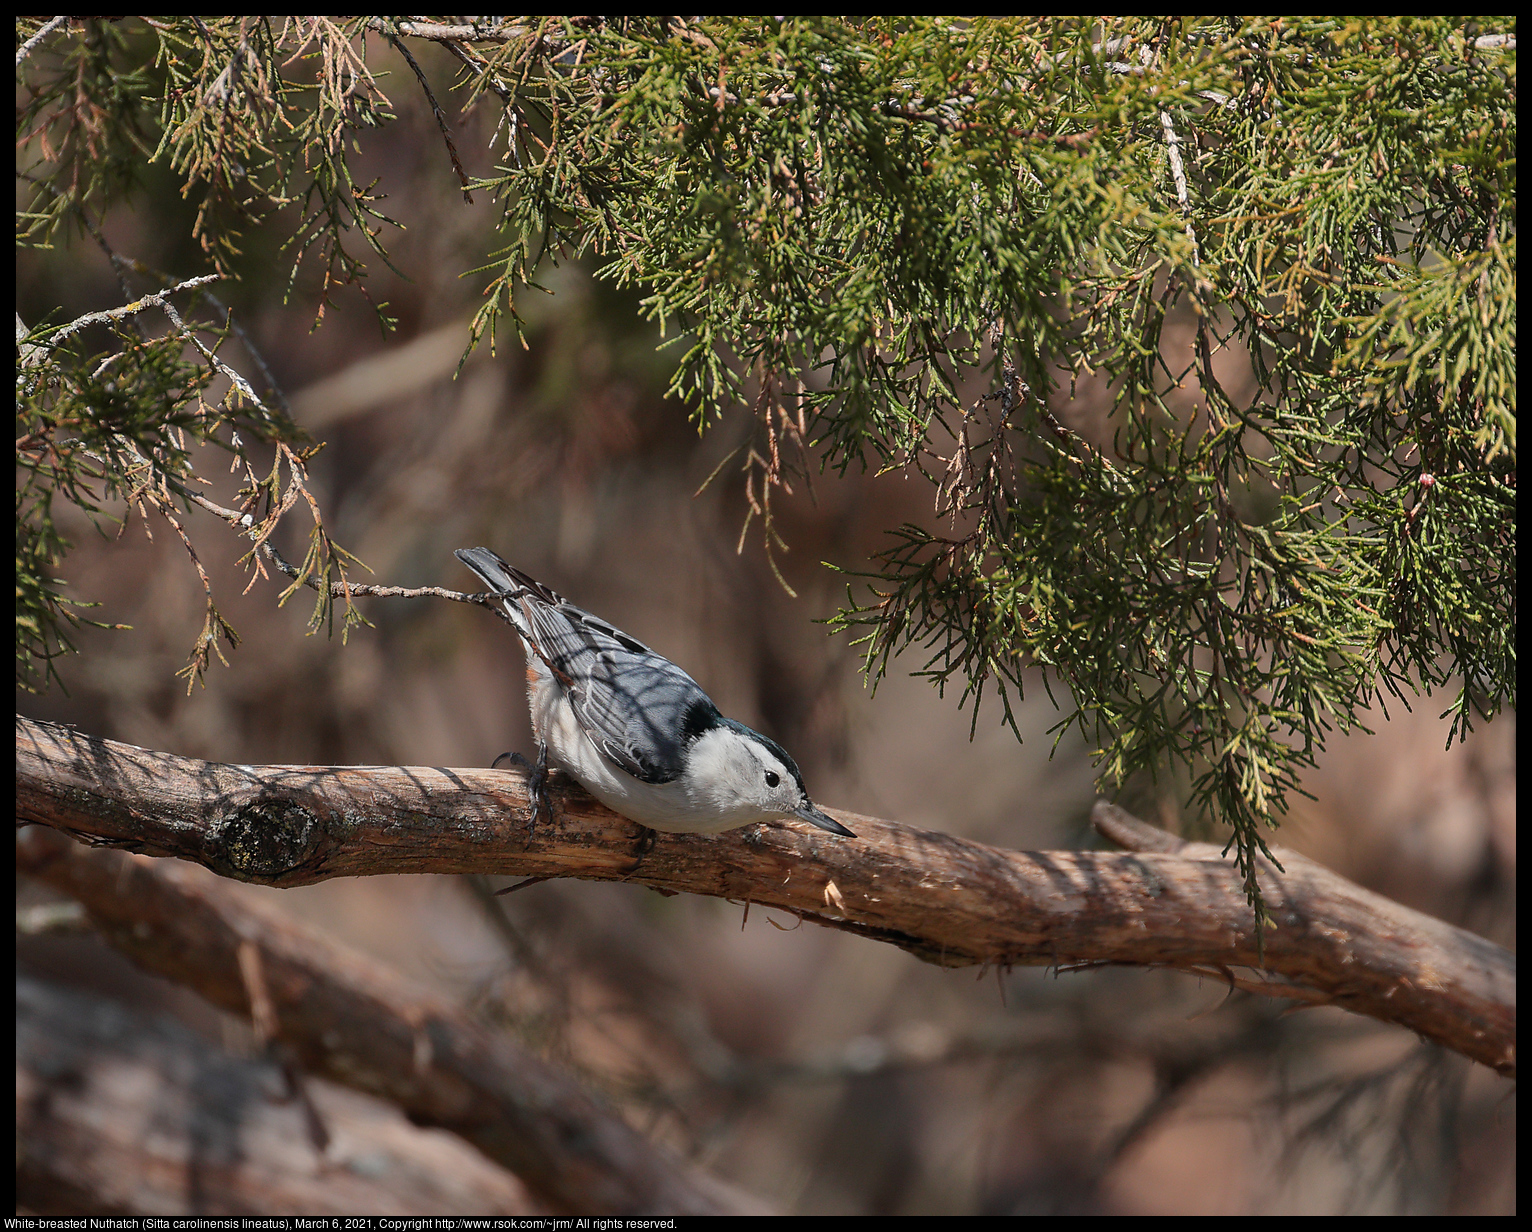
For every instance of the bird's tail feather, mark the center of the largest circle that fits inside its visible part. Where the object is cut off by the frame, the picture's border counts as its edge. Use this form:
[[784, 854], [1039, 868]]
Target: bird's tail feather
[[505, 579]]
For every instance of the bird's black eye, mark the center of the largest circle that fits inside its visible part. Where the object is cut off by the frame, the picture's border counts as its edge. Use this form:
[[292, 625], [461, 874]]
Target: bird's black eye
[[771, 778]]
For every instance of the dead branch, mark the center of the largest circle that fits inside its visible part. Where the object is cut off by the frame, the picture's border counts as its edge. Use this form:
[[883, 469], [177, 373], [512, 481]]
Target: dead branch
[[118, 1111], [351, 1019], [945, 899]]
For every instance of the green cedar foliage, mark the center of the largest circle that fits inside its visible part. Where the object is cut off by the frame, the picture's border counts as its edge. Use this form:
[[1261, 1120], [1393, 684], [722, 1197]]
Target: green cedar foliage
[[1286, 246]]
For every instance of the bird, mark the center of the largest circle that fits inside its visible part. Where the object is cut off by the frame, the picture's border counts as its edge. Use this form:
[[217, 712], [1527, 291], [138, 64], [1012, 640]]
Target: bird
[[632, 728]]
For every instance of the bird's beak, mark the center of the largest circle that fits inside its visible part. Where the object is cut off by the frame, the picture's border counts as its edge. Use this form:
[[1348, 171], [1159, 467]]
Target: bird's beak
[[807, 812]]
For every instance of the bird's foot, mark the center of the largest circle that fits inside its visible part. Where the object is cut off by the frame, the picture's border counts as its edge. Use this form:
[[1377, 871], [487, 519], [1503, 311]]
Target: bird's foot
[[646, 840], [537, 783]]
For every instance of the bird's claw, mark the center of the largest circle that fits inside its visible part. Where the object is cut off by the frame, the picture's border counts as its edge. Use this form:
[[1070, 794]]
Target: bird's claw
[[537, 782], [646, 840]]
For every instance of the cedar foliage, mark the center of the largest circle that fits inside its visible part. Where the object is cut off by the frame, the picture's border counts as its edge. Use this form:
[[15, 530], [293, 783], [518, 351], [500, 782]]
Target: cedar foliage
[[1288, 245]]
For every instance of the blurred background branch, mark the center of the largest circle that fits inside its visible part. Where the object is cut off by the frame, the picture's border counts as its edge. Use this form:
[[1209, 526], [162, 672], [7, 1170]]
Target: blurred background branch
[[354, 1021], [155, 1117]]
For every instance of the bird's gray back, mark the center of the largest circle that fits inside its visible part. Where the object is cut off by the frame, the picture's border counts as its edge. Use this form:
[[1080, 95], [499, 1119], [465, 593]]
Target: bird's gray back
[[639, 708]]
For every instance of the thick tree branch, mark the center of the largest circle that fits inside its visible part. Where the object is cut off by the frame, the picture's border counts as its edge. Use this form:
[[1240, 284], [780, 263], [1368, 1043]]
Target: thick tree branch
[[943, 898]]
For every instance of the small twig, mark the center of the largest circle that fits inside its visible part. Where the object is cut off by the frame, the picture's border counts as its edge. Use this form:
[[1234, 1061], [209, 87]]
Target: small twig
[[436, 110], [521, 885], [239, 332], [235, 378], [53, 24], [296, 471], [337, 590], [449, 34], [1177, 167], [156, 300], [506, 94]]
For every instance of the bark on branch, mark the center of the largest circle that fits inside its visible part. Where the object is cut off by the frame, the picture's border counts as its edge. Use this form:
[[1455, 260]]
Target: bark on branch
[[943, 898]]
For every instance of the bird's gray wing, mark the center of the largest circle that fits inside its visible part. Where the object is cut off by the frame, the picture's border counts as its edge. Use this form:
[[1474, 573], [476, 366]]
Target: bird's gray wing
[[638, 708]]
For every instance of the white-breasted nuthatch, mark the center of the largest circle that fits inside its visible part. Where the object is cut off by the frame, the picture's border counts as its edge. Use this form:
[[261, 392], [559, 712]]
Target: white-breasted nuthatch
[[636, 731]]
